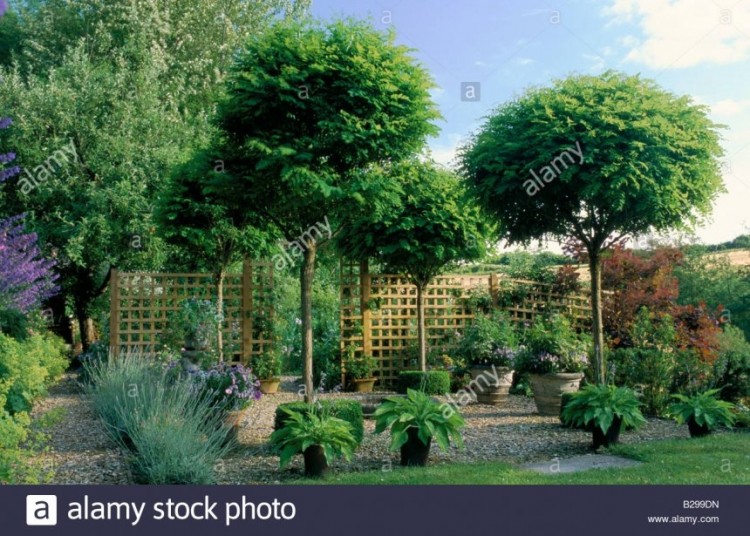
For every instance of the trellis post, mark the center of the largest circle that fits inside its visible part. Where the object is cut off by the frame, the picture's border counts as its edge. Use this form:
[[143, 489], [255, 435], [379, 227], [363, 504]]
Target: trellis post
[[364, 278], [246, 317], [114, 311]]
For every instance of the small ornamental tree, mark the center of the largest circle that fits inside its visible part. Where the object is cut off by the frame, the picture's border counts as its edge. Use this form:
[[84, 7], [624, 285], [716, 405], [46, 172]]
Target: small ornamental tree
[[26, 279], [201, 227], [308, 108], [431, 225], [595, 158]]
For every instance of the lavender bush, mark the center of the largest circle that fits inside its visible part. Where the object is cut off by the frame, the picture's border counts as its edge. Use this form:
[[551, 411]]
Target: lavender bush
[[26, 278]]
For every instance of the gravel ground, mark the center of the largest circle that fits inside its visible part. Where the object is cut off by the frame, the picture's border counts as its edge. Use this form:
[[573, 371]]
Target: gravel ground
[[81, 452]]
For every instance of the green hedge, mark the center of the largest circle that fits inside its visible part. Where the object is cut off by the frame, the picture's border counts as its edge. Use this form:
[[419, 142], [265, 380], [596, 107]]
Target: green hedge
[[348, 410], [27, 368], [433, 382]]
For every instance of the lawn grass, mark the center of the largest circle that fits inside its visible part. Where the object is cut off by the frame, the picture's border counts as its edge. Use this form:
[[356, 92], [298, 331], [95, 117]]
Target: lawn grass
[[717, 459]]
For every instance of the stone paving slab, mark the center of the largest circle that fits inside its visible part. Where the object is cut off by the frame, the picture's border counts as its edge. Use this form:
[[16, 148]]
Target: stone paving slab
[[580, 463]]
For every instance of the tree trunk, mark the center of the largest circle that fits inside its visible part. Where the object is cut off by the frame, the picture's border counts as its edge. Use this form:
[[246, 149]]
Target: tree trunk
[[595, 267], [83, 328], [307, 274], [420, 329], [220, 311]]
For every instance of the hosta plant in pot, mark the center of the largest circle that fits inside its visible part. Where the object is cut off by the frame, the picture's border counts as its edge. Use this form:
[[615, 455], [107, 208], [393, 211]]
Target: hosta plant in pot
[[267, 366], [359, 372], [554, 356], [605, 409], [489, 346], [414, 420], [319, 436], [702, 412]]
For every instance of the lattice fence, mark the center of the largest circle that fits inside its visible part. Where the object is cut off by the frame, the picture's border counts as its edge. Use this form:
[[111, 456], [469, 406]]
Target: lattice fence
[[140, 305], [379, 311]]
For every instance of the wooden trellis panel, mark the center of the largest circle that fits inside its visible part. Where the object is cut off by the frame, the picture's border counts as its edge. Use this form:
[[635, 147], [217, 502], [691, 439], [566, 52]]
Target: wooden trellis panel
[[140, 305], [379, 312]]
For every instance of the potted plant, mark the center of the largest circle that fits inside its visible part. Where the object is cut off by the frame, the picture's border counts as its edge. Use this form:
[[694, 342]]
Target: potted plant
[[702, 412], [489, 346], [604, 409], [232, 389], [554, 356], [413, 421], [319, 436], [194, 328], [359, 371], [267, 366]]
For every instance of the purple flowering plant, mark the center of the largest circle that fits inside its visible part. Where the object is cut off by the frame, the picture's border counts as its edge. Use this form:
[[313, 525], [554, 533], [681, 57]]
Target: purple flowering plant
[[231, 386], [489, 340], [553, 346], [26, 278]]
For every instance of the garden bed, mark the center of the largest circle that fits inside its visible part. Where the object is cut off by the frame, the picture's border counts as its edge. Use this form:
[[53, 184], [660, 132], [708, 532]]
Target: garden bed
[[82, 453]]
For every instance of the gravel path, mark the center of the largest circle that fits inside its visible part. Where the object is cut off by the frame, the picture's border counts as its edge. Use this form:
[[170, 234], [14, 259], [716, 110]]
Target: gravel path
[[79, 449], [81, 452]]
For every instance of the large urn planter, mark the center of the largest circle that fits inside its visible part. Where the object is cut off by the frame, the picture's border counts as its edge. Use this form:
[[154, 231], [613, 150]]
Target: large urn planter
[[549, 388], [491, 384], [414, 453], [270, 386], [363, 385]]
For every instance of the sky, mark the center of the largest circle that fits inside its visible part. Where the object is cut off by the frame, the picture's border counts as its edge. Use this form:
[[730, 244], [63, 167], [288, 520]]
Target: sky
[[699, 48]]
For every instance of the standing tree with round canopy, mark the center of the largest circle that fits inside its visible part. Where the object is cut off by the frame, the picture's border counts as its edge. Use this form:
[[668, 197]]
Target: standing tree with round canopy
[[649, 161], [308, 108], [432, 224]]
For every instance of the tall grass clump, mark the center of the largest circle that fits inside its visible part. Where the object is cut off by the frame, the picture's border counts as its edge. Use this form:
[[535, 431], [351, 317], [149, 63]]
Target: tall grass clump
[[173, 434], [118, 387]]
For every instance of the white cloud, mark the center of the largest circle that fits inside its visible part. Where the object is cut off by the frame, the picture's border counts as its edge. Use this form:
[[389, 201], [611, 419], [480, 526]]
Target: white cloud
[[523, 61], [684, 33], [730, 107]]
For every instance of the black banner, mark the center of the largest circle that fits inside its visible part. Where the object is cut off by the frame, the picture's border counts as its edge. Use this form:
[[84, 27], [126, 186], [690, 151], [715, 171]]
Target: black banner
[[373, 510]]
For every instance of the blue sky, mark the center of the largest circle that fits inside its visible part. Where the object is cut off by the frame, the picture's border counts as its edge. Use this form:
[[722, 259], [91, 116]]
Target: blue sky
[[696, 47]]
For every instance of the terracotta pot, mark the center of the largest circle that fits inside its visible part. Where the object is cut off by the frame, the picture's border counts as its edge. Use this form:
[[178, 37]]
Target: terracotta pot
[[316, 464], [491, 385], [611, 437], [549, 388], [233, 421], [270, 386], [364, 385], [414, 453], [697, 430]]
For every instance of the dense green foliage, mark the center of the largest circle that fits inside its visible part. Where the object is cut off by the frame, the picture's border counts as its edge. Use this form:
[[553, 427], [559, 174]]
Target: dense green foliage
[[715, 282], [347, 410], [127, 88], [552, 345], [432, 225], [645, 160], [432, 382], [419, 411], [27, 368], [313, 428], [489, 340], [599, 405], [732, 369], [705, 409], [309, 107]]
